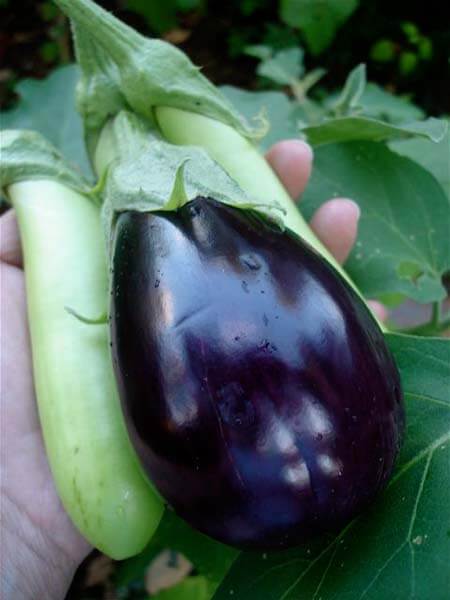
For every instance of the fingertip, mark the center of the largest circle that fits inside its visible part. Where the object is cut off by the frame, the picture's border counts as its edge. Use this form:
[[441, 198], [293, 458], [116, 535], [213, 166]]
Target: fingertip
[[292, 146], [344, 208], [10, 248], [336, 225], [292, 162]]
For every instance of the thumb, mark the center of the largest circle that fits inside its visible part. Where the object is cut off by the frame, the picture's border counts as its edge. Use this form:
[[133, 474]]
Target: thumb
[[10, 249]]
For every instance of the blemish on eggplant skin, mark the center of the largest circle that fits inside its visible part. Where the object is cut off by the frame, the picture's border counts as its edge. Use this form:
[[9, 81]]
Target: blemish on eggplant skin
[[251, 262], [78, 499], [267, 346]]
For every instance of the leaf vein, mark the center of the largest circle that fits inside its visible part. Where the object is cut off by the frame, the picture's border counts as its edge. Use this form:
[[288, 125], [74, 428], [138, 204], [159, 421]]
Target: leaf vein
[[426, 398], [413, 520]]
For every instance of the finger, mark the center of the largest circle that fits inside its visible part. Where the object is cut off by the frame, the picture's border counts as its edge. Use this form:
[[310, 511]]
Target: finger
[[291, 160], [10, 249], [378, 309], [336, 224]]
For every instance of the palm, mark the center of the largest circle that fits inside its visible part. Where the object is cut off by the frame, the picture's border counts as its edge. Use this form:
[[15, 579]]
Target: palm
[[27, 484]]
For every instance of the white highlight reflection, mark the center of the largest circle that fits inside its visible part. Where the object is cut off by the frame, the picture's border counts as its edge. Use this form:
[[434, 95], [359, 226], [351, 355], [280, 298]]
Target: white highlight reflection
[[297, 474], [329, 466]]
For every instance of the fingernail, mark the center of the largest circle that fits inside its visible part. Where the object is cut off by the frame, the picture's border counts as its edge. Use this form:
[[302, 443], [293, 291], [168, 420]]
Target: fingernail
[[306, 148], [288, 147], [351, 204]]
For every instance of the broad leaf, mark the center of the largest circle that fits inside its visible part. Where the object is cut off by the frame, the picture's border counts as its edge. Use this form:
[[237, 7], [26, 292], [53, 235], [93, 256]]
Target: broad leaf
[[380, 104], [400, 547], [260, 51], [284, 67], [319, 21], [48, 106], [275, 106], [402, 243], [343, 129], [434, 157]]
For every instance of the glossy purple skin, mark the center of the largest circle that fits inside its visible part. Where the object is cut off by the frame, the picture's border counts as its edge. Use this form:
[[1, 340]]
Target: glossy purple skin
[[258, 390]]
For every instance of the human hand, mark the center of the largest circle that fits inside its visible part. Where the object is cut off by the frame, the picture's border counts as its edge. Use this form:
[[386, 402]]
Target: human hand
[[41, 547]]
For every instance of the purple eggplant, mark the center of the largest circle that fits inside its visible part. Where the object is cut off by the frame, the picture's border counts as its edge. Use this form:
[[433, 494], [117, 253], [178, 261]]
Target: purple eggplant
[[257, 387]]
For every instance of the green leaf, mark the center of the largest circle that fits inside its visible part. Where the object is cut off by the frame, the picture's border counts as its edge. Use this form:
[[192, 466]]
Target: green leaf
[[383, 51], [348, 101], [211, 559], [48, 11], [405, 218], [248, 7], [319, 21], [160, 16], [49, 52], [343, 129], [407, 62], [378, 103], [276, 107], [433, 157], [411, 31], [425, 48], [400, 546], [284, 67], [278, 35], [260, 51], [188, 5], [48, 106], [281, 113], [192, 588]]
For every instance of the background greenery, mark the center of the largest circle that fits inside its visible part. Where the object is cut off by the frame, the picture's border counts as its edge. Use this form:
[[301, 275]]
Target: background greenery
[[372, 142], [405, 44]]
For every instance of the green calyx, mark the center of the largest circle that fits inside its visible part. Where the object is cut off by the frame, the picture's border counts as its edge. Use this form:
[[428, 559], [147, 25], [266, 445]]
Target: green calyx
[[144, 173], [27, 155], [122, 69]]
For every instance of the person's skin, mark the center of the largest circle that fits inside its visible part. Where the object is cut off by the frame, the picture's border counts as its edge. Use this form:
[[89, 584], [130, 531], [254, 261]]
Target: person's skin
[[40, 548]]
